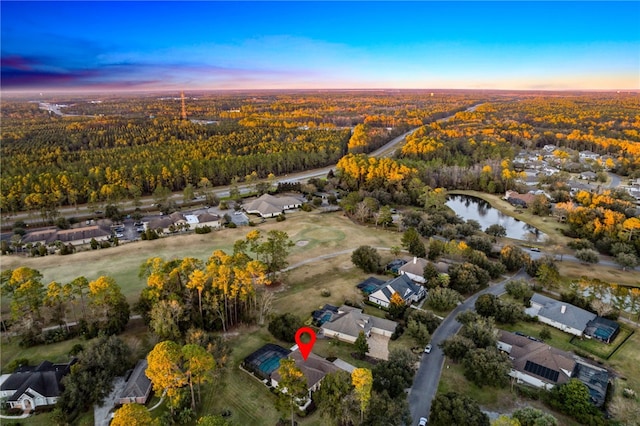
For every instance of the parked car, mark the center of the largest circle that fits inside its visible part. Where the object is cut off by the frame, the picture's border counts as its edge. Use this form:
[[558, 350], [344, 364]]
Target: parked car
[[535, 249], [427, 350]]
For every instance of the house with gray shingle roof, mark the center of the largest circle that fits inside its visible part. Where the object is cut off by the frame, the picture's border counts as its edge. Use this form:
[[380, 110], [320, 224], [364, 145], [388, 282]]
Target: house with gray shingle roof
[[403, 285], [561, 315], [414, 269], [138, 386], [349, 322]]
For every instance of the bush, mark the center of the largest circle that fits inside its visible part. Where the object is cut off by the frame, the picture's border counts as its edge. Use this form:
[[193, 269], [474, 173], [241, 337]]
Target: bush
[[280, 218], [284, 327], [16, 363], [203, 229], [325, 292]]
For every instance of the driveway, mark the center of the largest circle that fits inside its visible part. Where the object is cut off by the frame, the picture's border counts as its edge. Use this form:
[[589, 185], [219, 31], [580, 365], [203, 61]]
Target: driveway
[[378, 346], [101, 414]]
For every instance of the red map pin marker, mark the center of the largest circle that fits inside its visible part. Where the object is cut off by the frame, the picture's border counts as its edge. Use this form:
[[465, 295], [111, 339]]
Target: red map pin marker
[[305, 348]]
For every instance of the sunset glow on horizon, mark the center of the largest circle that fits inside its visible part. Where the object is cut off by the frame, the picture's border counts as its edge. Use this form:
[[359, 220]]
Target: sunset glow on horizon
[[320, 45]]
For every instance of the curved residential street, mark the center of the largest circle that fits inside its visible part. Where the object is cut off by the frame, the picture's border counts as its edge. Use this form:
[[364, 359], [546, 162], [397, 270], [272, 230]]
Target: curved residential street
[[425, 384]]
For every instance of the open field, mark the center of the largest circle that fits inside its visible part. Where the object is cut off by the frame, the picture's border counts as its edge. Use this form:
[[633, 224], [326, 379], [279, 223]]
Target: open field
[[609, 274], [320, 233]]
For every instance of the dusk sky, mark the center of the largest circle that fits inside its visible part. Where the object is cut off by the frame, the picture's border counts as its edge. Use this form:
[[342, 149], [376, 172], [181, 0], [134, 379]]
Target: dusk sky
[[299, 45]]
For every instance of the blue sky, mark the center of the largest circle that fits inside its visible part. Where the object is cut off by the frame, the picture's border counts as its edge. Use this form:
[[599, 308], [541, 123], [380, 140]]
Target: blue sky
[[298, 45]]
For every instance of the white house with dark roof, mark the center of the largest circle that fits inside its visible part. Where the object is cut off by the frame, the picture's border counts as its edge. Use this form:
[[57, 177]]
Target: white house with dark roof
[[349, 322], [404, 286], [561, 315], [32, 387]]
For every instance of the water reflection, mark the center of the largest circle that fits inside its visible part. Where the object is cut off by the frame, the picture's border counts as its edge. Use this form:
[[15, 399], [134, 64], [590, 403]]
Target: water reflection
[[478, 209]]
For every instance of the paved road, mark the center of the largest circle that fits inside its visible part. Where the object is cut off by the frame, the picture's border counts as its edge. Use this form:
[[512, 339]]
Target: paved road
[[425, 384]]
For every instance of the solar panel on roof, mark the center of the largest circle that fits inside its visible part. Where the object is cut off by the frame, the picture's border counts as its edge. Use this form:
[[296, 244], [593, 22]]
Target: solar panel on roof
[[542, 371]]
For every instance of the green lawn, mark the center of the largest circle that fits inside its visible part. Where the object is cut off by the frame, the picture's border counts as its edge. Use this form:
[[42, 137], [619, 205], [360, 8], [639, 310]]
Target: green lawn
[[600, 349]]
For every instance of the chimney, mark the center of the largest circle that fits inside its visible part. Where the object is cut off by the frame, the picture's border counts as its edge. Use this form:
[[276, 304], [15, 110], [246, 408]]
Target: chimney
[[563, 309], [415, 260]]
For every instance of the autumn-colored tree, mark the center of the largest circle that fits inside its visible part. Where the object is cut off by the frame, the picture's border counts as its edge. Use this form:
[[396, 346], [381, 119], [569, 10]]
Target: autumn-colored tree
[[362, 380], [292, 387], [133, 415], [198, 368], [164, 370]]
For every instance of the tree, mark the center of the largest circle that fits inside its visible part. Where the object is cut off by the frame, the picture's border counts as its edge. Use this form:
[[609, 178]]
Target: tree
[[361, 345], [456, 347], [397, 306], [496, 231], [519, 289], [487, 305], [385, 217], [482, 332], [274, 251], [454, 409], [412, 243], [418, 331], [109, 307], [513, 258], [573, 399], [587, 256], [133, 415], [529, 416], [292, 387], [336, 399], [627, 260], [366, 258], [396, 374], [362, 380], [487, 367], [442, 299], [167, 317], [386, 411], [198, 368], [164, 370], [285, 326]]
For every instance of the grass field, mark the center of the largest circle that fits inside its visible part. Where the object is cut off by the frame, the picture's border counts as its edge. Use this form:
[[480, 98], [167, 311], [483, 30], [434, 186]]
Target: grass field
[[316, 234]]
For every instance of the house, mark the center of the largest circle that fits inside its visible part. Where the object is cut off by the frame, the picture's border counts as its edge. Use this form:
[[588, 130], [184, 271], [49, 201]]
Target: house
[[138, 386], [602, 329], [588, 155], [561, 315], [414, 270], [589, 176], [407, 289], [347, 324], [264, 364], [516, 199], [540, 365], [32, 387], [269, 206], [314, 369]]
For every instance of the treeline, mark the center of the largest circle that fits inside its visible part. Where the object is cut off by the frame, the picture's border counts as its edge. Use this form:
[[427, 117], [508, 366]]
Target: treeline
[[94, 306], [226, 290]]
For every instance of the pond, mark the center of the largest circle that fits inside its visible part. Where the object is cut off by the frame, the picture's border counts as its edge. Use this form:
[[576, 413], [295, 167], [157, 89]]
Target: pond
[[478, 209]]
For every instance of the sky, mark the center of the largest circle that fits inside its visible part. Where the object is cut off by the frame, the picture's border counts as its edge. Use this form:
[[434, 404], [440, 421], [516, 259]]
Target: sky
[[163, 45]]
